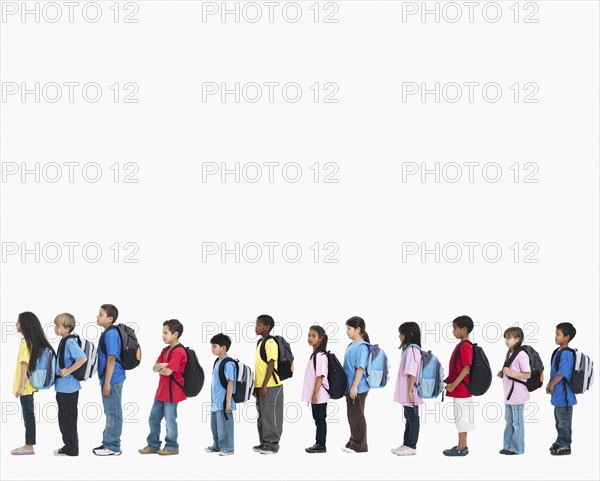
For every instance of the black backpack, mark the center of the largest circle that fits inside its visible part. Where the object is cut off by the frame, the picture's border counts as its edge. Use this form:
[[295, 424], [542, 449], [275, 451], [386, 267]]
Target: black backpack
[[193, 374], [284, 368], [89, 367], [535, 364], [582, 375], [131, 352], [336, 376], [481, 373]]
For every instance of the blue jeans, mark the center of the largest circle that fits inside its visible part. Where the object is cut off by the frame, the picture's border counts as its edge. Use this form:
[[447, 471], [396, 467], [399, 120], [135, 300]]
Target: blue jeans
[[222, 431], [514, 432], [159, 410], [563, 418], [113, 410]]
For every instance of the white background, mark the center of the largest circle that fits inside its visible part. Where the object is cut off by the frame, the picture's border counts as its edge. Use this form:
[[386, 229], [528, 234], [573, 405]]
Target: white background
[[368, 214]]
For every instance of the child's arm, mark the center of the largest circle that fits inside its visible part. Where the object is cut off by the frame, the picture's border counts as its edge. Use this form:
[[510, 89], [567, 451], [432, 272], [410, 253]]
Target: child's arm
[[21, 390], [228, 396], [158, 366], [463, 373], [515, 374], [270, 370], [318, 383], [110, 368], [552, 383], [64, 372], [411, 386], [357, 377], [164, 370]]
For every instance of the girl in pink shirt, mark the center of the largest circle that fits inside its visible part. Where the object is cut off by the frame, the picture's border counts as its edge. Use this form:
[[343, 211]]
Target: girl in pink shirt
[[316, 384], [406, 393], [515, 392]]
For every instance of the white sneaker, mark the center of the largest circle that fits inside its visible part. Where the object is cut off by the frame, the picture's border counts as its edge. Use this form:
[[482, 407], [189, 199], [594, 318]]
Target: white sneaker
[[406, 451], [59, 452], [106, 452], [225, 453], [351, 451], [398, 449]]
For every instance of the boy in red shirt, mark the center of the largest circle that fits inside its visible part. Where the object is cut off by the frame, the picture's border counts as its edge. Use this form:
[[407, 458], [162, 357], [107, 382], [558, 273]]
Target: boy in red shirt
[[457, 382], [170, 366]]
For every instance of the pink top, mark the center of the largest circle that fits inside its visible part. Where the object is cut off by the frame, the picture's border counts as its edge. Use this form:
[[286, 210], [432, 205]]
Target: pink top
[[520, 393], [310, 377], [410, 365]]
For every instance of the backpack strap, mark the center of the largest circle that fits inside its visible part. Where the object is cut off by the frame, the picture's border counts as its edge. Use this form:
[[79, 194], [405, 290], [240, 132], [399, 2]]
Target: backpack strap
[[171, 377], [223, 380], [314, 358], [263, 356], [456, 356], [509, 360], [62, 347], [556, 354], [102, 347]]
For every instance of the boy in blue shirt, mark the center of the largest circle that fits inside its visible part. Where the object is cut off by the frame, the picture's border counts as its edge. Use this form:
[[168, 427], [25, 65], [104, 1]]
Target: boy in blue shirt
[[563, 399], [222, 403], [67, 387], [112, 377]]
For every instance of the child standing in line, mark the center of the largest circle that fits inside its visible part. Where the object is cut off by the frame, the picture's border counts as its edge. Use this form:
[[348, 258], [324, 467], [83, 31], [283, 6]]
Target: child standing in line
[[406, 393], [457, 381], [356, 360], [316, 384], [67, 387], [515, 393], [31, 348], [169, 365]]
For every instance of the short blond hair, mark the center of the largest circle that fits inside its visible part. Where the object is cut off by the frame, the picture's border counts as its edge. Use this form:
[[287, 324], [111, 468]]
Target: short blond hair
[[65, 320]]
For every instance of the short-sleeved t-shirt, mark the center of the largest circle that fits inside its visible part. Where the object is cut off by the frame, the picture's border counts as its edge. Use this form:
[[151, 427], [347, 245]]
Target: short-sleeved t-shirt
[[113, 348], [23, 356], [565, 368], [217, 391], [465, 358], [73, 353], [260, 367], [310, 378], [410, 365], [356, 357], [168, 390], [520, 393]]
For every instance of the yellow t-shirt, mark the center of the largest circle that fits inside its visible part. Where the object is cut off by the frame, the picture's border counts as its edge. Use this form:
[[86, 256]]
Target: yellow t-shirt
[[260, 367], [23, 356]]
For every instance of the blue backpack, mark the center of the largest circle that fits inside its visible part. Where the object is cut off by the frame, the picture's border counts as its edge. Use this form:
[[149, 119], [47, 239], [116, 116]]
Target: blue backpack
[[43, 375], [431, 383], [378, 367]]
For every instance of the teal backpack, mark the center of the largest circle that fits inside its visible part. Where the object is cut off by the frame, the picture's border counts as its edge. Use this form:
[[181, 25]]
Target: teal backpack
[[43, 375], [431, 384], [378, 368]]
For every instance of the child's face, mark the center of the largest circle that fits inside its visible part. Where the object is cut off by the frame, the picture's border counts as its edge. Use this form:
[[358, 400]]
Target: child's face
[[61, 331], [18, 325], [102, 319], [261, 329], [313, 338], [511, 342], [353, 332], [458, 331], [401, 336], [168, 336], [560, 338], [218, 350]]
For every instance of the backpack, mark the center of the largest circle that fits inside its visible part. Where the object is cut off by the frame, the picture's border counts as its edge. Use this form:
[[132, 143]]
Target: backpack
[[89, 367], [284, 368], [336, 376], [43, 375], [481, 373], [244, 383], [378, 367], [582, 376], [431, 383], [131, 352], [193, 374], [535, 364]]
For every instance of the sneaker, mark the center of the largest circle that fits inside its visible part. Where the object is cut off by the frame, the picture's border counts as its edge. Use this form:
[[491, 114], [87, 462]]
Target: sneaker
[[59, 452], [167, 452], [406, 451], [225, 453], [454, 451], [554, 447], [398, 449], [256, 449], [106, 452], [267, 450], [508, 452], [350, 450], [147, 450], [561, 451], [316, 448], [211, 449]]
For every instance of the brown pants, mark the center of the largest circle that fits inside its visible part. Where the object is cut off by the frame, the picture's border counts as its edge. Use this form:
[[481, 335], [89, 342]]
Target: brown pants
[[358, 424]]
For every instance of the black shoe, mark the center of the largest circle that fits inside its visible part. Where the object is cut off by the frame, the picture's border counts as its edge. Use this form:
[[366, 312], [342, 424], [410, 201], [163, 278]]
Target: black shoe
[[316, 448], [98, 448], [256, 449], [504, 451], [554, 447], [561, 451]]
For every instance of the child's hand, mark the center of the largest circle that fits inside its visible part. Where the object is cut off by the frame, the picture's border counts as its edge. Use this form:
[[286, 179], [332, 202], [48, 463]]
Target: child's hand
[[20, 392], [507, 371], [64, 372], [314, 399], [106, 389], [228, 410], [411, 397], [263, 392], [500, 374], [549, 389], [353, 392], [450, 387]]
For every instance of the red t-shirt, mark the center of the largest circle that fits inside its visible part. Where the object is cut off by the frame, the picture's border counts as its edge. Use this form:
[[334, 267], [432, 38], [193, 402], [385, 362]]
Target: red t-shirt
[[465, 358], [169, 391]]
